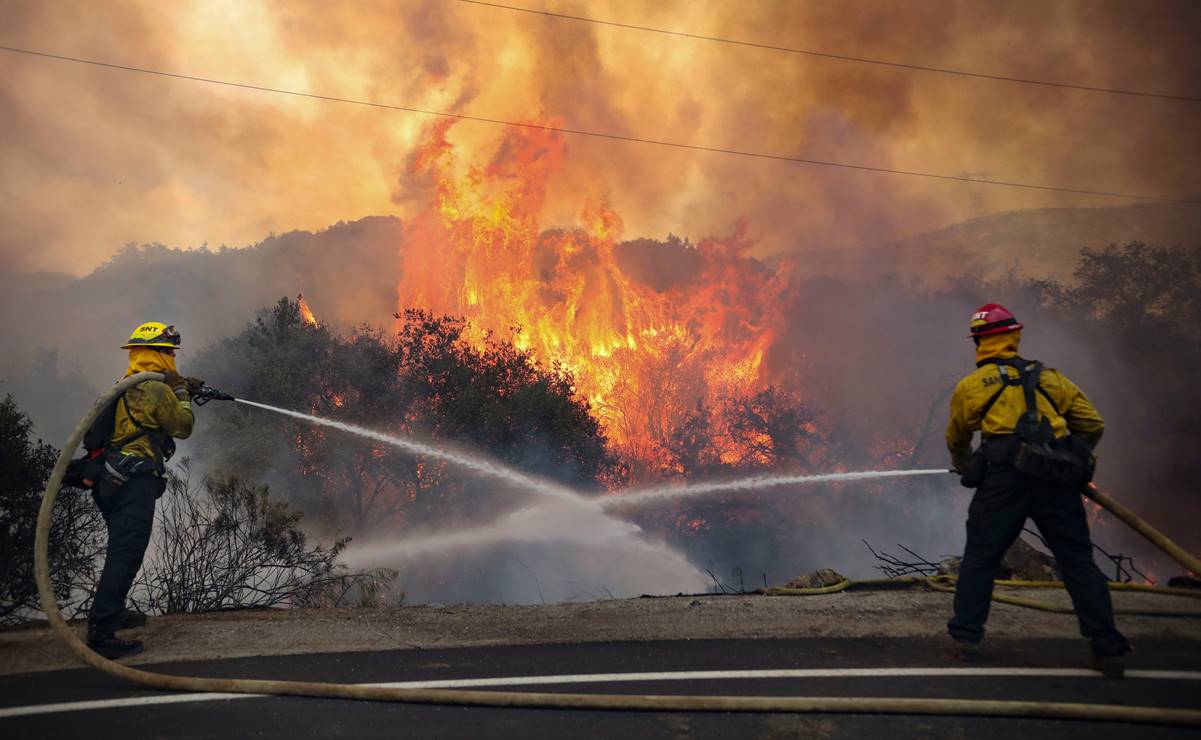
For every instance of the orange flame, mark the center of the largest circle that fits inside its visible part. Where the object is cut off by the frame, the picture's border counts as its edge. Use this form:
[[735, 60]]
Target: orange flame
[[306, 313], [642, 356]]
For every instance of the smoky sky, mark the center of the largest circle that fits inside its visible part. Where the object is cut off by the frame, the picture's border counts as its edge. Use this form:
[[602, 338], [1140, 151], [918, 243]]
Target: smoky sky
[[92, 159]]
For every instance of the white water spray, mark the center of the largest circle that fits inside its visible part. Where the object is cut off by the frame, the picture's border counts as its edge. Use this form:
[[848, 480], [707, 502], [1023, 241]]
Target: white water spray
[[473, 463], [581, 521], [545, 522], [568, 553], [570, 517], [612, 552], [755, 482], [541, 523]]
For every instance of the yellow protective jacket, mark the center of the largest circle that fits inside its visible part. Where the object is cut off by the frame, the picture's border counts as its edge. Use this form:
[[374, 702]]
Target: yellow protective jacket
[[153, 404], [1062, 403]]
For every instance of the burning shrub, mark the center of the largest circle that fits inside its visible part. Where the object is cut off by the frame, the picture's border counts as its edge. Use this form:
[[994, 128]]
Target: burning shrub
[[771, 429], [425, 381]]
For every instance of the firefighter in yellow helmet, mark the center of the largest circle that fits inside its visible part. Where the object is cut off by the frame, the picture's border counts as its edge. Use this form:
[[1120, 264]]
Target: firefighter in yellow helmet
[[148, 419], [1037, 432]]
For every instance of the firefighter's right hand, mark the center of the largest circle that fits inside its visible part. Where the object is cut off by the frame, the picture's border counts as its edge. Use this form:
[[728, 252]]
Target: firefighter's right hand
[[194, 384]]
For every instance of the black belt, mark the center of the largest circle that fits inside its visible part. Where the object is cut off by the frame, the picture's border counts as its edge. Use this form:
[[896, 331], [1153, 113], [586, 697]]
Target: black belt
[[999, 447]]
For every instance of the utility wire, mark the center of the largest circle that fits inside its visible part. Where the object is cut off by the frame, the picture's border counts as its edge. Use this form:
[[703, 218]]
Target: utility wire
[[840, 57], [598, 134]]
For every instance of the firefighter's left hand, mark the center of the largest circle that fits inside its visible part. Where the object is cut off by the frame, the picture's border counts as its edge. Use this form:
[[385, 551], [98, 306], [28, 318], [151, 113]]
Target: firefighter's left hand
[[194, 386]]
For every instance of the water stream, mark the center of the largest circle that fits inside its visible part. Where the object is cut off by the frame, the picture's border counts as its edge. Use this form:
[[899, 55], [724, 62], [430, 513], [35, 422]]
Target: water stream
[[564, 515], [567, 516], [579, 547], [473, 463], [646, 495]]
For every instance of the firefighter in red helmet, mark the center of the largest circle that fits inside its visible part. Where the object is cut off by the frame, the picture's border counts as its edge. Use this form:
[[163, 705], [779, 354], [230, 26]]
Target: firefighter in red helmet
[[1037, 432]]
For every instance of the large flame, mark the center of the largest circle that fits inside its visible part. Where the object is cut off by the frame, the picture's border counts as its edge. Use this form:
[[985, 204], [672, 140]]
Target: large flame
[[643, 357]]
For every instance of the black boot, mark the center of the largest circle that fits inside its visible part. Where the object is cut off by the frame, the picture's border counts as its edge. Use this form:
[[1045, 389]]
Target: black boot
[[967, 652], [1110, 666], [113, 647], [131, 620]]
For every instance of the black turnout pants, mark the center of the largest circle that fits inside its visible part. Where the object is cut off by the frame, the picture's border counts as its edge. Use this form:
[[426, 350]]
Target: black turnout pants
[[129, 513], [995, 519]]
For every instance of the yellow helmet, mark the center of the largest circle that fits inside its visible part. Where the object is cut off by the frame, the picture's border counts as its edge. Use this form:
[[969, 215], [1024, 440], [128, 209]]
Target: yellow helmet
[[153, 334]]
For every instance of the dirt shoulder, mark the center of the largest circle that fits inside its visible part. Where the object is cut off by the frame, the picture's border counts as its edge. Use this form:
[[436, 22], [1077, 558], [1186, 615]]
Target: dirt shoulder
[[885, 613]]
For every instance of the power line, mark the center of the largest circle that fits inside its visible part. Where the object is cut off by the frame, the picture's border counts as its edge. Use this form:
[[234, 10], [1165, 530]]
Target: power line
[[840, 57], [597, 134]]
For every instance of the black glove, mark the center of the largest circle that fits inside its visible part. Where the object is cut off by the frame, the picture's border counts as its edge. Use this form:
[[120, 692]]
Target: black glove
[[972, 476], [194, 384]]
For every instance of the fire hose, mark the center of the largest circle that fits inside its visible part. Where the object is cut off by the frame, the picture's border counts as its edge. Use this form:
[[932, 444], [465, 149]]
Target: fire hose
[[461, 697], [1187, 560], [943, 584]]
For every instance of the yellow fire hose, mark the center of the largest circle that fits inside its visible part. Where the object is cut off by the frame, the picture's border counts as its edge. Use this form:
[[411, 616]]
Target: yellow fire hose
[[846, 583], [459, 697], [941, 583], [1186, 559], [935, 585]]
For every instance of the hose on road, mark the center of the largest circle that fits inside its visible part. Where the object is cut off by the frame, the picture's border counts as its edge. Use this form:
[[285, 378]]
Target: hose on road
[[945, 584], [937, 585], [461, 697]]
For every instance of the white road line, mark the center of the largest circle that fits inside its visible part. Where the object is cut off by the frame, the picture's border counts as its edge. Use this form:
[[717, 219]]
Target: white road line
[[463, 683], [133, 701]]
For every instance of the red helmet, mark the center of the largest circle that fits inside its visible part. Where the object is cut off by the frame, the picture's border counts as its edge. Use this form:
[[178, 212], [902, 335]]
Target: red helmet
[[992, 318]]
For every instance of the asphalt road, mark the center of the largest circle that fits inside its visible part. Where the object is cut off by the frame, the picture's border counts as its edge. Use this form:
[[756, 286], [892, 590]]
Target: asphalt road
[[126, 712]]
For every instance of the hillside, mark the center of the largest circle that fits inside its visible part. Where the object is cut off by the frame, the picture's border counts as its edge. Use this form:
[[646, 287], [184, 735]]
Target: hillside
[[55, 365], [1042, 243]]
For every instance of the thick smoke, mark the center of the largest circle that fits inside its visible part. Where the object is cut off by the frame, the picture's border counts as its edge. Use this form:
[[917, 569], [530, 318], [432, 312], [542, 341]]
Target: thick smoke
[[94, 157], [61, 334]]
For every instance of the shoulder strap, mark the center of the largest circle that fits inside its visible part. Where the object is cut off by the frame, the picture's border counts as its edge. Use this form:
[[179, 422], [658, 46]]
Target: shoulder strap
[[1029, 374], [1030, 386], [1006, 381], [1047, 396]]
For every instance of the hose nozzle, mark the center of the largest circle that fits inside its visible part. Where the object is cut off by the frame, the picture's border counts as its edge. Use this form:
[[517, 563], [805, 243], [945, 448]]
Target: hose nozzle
[[206, 393]]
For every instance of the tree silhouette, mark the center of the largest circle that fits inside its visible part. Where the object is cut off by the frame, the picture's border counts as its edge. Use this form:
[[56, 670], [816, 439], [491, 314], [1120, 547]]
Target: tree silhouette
[[76, 531], [432, 380]]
